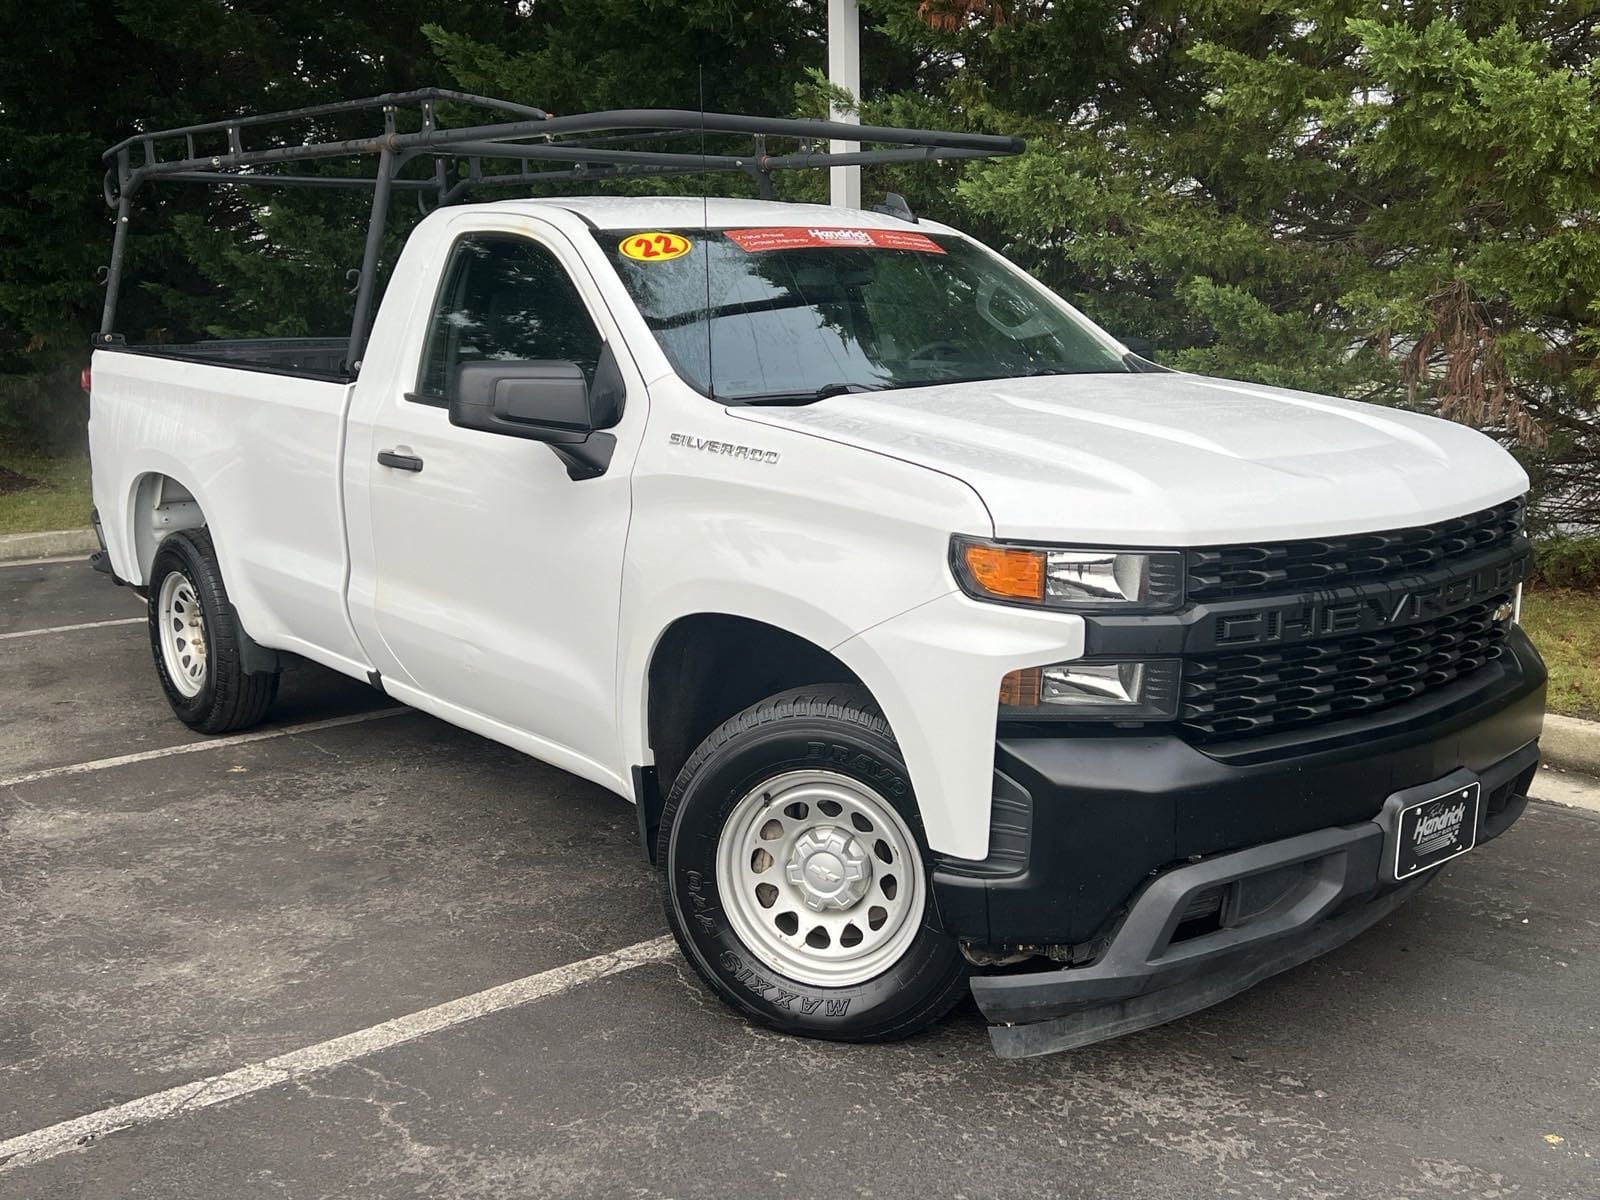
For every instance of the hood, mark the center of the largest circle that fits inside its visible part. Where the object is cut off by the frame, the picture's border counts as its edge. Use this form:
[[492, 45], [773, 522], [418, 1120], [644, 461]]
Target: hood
[[1170, 459]]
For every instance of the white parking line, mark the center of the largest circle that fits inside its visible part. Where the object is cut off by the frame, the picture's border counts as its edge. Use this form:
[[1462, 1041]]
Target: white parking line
[[44, 629], [219, 743], [42, 1144]]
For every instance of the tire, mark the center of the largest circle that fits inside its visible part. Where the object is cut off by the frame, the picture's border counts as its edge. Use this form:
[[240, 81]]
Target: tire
[[196, 640], [821, 749]]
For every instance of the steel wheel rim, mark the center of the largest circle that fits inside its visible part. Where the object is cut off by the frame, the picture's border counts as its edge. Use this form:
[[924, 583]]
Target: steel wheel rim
[[821, 878], [182, 623]]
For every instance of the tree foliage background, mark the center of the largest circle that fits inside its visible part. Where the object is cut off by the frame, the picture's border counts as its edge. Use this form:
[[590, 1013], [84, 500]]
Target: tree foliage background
[[1393, 201]]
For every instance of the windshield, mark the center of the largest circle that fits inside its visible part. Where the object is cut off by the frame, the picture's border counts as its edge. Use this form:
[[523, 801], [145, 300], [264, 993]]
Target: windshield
[[789, 315]]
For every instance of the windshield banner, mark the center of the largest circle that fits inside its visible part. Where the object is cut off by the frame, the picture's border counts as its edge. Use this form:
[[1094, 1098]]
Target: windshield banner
[[800, 237]]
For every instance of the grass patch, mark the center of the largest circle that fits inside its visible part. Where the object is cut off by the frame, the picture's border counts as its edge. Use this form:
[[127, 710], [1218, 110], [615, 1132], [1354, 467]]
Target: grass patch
[[51, 493], [1565, 624]]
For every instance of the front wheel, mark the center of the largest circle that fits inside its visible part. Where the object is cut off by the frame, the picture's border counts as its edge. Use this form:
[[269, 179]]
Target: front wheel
[[196, 640], [795, 874]]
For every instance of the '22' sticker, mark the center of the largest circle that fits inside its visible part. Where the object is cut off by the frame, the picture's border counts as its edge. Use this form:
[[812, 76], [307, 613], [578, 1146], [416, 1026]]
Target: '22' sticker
[[654, 247]]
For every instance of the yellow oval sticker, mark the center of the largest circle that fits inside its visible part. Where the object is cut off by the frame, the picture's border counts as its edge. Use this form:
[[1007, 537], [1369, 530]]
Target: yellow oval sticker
[[654, 247]]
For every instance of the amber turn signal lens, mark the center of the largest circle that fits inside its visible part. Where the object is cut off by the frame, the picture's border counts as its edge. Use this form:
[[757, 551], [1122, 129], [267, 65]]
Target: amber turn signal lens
[[1020, 689], [1006, 572]]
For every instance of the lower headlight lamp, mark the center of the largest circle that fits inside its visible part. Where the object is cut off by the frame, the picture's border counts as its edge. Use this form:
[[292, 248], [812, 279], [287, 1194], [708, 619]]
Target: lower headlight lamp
[[1094, 690]]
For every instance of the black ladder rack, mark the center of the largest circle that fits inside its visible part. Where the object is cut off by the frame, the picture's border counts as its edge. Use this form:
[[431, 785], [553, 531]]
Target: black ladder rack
[[582, 146]]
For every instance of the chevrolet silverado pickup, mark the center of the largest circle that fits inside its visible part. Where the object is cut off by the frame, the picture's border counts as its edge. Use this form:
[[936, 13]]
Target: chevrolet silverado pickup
[[943, 644]]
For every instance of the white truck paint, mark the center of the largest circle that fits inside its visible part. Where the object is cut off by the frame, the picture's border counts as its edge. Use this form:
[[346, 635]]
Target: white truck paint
[[496, 593]]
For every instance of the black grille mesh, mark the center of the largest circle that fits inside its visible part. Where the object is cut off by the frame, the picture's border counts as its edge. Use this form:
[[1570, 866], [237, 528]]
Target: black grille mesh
[[1261, 691], [1228, 572]]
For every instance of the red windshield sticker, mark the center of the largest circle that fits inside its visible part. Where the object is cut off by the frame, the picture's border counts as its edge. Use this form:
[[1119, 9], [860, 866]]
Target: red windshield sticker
[[802, 237]]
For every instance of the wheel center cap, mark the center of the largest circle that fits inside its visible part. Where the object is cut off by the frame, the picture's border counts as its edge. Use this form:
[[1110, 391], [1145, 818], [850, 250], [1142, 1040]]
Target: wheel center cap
[[824, 872], [829, 867]]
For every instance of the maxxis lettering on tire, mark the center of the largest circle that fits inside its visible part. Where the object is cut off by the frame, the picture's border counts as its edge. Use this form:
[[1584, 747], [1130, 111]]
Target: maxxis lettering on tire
[[776, 995]]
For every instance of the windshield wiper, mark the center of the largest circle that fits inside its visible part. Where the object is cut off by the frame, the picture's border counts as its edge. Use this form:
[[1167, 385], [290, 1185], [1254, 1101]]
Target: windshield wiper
[[811, 397]]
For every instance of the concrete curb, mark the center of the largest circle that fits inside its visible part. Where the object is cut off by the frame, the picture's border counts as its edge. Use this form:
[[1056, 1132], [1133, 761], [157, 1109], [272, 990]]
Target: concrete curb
[[51, 544], [1571, 743], [1566, 788]]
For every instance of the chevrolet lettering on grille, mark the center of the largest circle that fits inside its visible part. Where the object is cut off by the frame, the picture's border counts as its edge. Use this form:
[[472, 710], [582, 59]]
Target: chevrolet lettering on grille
[[1301, 617]]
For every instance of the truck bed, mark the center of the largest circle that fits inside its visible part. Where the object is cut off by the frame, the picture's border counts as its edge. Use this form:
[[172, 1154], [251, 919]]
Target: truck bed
[[258, 450]]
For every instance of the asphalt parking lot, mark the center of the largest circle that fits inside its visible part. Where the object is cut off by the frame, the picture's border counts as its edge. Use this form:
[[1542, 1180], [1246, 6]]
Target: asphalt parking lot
[[174, 909]]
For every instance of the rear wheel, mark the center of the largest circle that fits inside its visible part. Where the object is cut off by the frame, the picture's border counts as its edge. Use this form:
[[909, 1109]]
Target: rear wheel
[[196, 640], [796, 882]]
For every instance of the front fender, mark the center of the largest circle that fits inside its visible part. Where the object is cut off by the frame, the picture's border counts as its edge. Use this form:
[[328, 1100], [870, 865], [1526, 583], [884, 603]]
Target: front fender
[[936, 671]]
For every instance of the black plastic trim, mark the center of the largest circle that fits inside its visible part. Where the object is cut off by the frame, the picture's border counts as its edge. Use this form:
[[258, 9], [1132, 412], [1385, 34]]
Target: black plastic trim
[[203, 360], [100, 560], [1334, 865], [400, 462], [1304, 895], [1010, 835], [1239, 570], [1108, 809], [1352, 608], [1131, 1014], [648, 803], [254, 658], [589, 458]]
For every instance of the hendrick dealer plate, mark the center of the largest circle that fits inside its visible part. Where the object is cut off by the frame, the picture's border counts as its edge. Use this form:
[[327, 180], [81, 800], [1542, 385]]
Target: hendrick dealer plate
[[1431, 831]]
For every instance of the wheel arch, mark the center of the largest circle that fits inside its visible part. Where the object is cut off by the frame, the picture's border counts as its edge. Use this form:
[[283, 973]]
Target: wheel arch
[[704, 668], [159, 504]]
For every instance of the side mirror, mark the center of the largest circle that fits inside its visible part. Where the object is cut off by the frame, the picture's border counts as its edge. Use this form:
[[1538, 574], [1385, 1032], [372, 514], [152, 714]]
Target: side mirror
[[1142, 346], [545, 401]]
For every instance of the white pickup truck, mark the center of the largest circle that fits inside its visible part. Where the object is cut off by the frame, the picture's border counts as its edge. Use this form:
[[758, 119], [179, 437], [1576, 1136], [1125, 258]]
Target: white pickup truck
[[941, 642]]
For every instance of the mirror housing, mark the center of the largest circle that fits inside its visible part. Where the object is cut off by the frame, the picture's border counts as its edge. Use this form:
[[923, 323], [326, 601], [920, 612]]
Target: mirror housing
[[544, 400]]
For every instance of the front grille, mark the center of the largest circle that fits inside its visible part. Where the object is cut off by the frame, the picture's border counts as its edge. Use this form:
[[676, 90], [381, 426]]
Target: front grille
[[1261, 691], [1229, 572]]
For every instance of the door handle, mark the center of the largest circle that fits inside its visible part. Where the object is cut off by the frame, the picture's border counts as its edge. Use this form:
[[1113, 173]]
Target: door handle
[[400, 462]]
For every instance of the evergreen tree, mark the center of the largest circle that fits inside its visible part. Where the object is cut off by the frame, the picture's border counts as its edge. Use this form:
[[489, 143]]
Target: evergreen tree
[[1390, 201]]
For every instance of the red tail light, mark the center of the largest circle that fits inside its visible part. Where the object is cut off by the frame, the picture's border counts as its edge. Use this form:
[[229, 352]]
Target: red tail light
[[83, 379]]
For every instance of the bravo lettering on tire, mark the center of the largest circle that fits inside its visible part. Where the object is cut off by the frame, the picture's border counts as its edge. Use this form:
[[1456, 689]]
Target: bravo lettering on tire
[[795, 877]]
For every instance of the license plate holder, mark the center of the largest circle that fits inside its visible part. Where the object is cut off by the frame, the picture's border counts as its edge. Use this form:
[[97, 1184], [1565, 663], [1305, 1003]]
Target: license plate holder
[[1431, 824]]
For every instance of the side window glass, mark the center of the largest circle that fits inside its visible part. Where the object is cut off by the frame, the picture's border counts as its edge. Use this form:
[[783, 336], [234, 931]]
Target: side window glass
[[504, 297]]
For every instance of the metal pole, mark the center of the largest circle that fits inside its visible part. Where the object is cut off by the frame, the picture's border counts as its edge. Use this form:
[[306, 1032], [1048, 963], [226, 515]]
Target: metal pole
[[844, 71], [763, 174], [369, 260], [119, 246]]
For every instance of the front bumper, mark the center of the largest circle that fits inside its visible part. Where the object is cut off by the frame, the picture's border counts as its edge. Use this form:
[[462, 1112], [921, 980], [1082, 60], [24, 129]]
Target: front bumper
[[1288, 902], [1102, 844]]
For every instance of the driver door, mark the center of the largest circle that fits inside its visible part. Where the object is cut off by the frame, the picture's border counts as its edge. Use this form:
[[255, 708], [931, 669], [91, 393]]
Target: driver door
[[494, 587]]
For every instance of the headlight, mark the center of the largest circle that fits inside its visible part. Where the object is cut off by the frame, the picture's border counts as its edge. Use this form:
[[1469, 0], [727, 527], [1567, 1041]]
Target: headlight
[[1084, 579], [1090, 690]]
